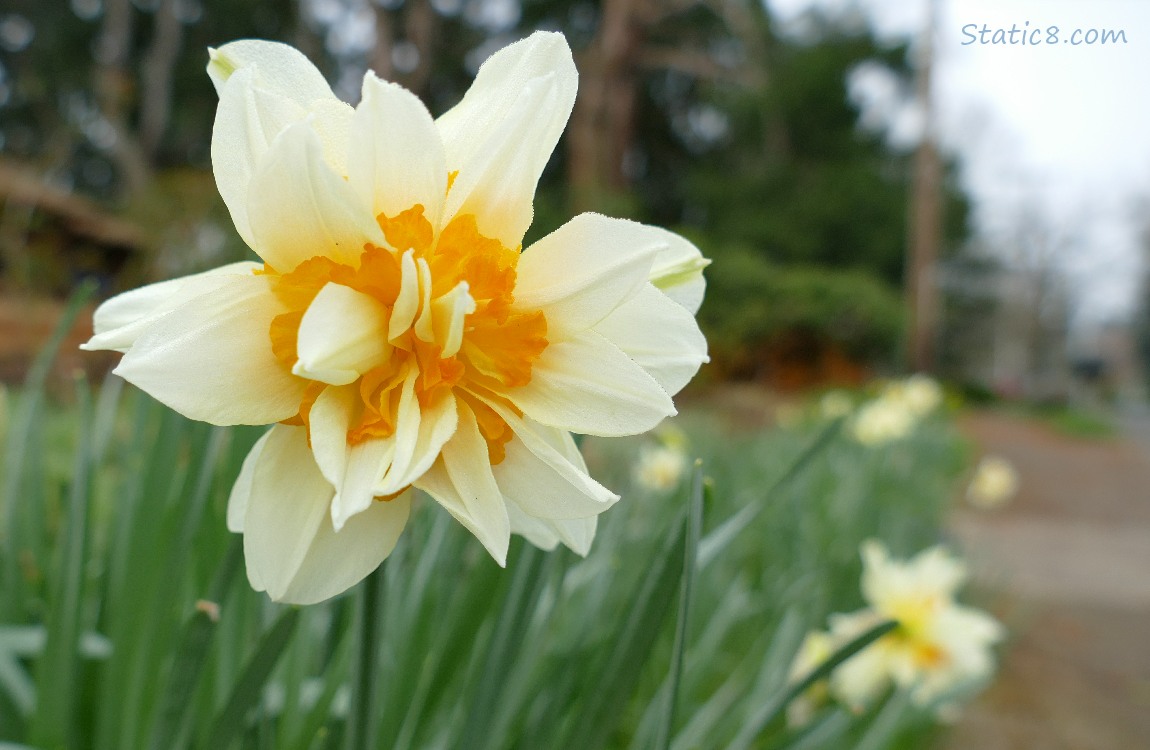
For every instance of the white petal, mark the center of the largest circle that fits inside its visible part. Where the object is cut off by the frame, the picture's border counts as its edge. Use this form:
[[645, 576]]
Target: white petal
[[545, 475], [211, 358], [424, 324], [292, 550], [467, 127], [582, 271], [577, 534], [331, 120], [406, 305], [337, 560], [501, 135], [342, 335], [247, 120], [497, 185], [450, 311], [678, 270], [119, 321], [437, 423], [299, 208], [242, 489], [587, 385], [660, 335], [283, 69], [289, 499], [398, 155], [462, 483]]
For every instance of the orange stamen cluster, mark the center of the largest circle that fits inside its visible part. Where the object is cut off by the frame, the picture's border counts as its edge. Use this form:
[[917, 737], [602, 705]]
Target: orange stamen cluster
[[499, 346]]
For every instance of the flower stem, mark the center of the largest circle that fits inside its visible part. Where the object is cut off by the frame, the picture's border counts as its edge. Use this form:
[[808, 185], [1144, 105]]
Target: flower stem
[[365, 667]]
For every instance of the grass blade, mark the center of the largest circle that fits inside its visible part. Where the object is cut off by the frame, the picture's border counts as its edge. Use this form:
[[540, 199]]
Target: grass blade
[[614, 682], [191, 653], [57, 674], [774, 707], [690, 567], [248, 689]]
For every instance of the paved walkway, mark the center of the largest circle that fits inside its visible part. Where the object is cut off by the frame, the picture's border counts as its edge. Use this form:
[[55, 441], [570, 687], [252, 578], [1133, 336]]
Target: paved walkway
[[1067, 567]]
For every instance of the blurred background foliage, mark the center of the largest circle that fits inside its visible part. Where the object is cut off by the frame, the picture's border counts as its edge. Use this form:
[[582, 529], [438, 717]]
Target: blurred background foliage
[[700, 116]]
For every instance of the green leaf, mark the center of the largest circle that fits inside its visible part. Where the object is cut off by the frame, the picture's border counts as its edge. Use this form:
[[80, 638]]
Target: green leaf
[[57, 674], [248, 688], [774, 707], [190, 654], [690, 568], [612, 684]]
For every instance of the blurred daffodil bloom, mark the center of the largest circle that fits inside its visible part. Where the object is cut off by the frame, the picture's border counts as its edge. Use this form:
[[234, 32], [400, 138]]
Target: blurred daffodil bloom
[[939, 645], [394, 332], [994, 483]]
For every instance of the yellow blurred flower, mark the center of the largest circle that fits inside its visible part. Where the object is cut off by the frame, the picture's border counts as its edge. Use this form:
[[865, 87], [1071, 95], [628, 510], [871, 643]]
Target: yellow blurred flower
[[938, 647], [394, 333], [660, 467], [995, 483], [881, 421]]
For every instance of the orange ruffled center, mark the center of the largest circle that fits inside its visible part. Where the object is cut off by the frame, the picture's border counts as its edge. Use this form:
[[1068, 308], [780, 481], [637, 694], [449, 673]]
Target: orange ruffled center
[[498, 348]]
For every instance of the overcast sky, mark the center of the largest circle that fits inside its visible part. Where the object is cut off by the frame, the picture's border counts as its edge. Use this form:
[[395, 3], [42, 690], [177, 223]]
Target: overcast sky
[[1058, 128]]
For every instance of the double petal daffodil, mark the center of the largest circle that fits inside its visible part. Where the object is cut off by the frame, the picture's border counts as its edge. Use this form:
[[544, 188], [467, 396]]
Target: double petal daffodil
[[395, 334]]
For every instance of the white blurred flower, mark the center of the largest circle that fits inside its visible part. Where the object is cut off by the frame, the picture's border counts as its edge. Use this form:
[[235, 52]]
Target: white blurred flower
[[995, 483], [938, 647], [395, 335], [921, 394], [660, 467], [881, 421]]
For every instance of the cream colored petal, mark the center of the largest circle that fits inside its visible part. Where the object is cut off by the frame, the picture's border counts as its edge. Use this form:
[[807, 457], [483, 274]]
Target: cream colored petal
[[497, 185], [343, 334], [535, 530], [119, 321], [582, 271], [399, 158], [543, 491], [449, 313], [283, 69], [544, 474], [291, 547], [247, 121], [353, 470], [425, 323], [587, 385], [468, 128], [211, 358], [462, 482], [331, 120], [299, 208], [407, 302], [337, 560], [288, 502], [576, 534], [242, 489], [437, 423], [660, 335], [678, 270]]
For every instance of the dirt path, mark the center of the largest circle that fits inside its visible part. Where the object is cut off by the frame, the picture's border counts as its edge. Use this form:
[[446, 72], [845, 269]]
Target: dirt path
[[1070, 558]]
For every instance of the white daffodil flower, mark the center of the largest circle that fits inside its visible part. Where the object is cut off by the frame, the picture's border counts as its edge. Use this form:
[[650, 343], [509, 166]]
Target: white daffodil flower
[[938, 647], [394, 334]]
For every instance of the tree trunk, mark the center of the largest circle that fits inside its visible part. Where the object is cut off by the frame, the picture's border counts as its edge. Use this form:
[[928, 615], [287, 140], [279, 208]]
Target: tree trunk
[[159, 65]]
